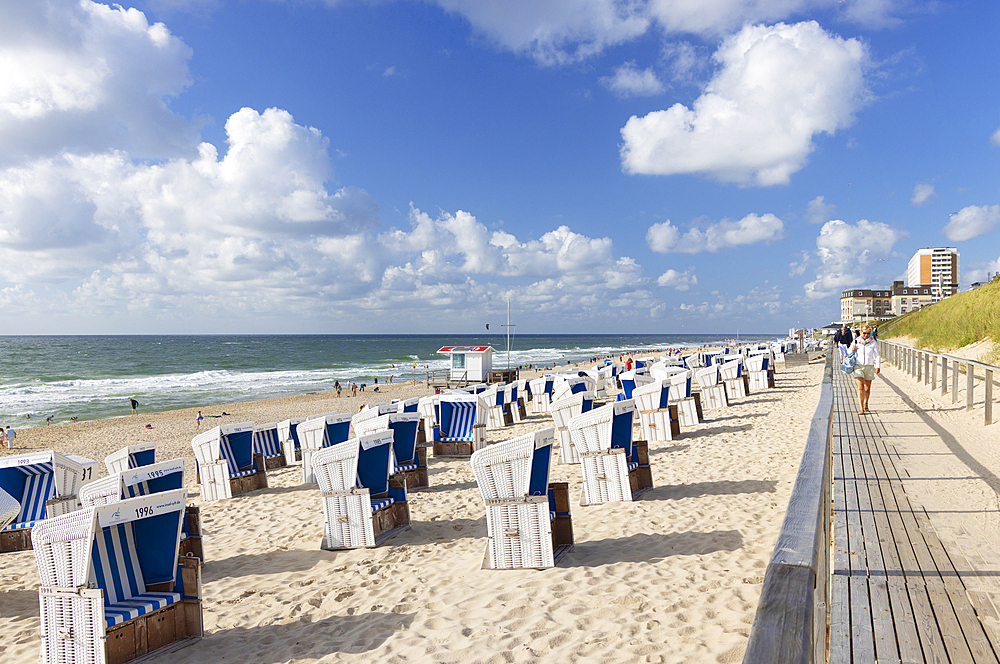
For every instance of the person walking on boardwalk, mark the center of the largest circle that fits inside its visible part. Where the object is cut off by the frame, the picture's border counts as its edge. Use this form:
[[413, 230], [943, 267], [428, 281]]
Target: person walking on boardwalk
[[843, 339], [869, 363]]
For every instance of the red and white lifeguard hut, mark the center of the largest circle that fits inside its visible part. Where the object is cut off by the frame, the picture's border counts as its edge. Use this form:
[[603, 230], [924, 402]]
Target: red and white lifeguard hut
[[470, 363]]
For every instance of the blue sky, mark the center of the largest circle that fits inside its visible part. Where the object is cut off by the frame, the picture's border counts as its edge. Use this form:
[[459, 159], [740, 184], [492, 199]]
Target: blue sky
[[185, 166]]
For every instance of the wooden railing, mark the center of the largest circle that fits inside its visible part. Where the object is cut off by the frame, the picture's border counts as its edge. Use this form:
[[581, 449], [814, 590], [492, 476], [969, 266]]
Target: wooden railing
[[923, 365], [791, 621]]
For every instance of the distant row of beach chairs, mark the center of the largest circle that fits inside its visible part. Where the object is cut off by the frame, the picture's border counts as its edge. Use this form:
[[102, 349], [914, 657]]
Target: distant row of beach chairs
[[119, 557]]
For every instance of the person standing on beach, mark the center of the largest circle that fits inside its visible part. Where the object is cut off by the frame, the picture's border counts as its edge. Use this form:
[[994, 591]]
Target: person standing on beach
[[197, 420], [11, 437], [135, 405], [869, 363]]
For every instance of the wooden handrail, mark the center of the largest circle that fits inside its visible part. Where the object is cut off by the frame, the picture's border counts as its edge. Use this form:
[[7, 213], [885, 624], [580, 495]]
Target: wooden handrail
[[791, 621]]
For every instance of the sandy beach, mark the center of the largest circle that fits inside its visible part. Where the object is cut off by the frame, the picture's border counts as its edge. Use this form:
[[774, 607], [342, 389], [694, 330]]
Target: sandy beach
[[672, 577]]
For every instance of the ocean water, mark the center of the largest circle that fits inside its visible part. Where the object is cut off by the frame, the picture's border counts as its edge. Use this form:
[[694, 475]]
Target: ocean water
[[93, 377]]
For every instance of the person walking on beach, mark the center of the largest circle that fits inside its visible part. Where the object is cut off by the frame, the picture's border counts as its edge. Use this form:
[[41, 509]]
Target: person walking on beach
[[197, 420], [11, 437], [869, 363], [135, 405]]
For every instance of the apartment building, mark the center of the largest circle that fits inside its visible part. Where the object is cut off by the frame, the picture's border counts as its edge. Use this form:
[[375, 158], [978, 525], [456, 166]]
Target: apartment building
[[910, 298], [935, 268], [863, 303]]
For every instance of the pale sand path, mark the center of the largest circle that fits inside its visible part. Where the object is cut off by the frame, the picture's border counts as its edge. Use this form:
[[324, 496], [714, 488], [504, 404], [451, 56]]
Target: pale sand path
[[672, 577]]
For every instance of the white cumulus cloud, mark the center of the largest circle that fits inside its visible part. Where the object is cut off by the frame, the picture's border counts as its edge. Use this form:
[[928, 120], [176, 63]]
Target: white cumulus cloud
[[921, 193], [818, 211], [630, 81], [681, 281], [777, 87], [846, 254], [664, 237], [972, 221]]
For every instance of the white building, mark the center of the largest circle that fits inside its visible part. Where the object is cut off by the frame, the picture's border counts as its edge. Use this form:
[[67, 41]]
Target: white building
[[935, 268]]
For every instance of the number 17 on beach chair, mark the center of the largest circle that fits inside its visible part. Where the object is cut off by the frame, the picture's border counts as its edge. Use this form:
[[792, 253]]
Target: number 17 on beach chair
[[112, 585], [363, 502], [227, 464], [528, 521]]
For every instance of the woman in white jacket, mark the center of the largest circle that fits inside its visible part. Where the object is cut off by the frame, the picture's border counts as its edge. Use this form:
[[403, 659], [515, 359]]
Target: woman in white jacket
[[869, 363]]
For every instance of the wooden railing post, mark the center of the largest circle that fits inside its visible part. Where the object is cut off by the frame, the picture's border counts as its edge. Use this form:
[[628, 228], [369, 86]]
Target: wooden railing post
[[989, 397], [954, 381], [944, 375], [969, 384], [933, 362]]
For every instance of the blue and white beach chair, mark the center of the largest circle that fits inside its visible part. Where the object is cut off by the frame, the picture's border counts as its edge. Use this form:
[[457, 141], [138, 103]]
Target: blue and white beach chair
[[736, 381], [541, 394], [689, 411], [44, 484], [289, 436], [408, 459], [614, 467], [112, 585], [267, 441], [371, 411], [363, 503], [318, 432], [227, 464], [462, 425], [528, 522], [494, 399], [563, 410], [9, 509], [130, 456], [657, 416], [407, 405], [760, 369], [633, 379], [713, 393]]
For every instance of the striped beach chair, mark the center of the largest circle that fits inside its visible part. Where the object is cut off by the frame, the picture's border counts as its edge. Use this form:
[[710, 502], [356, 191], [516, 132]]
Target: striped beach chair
[[528, 522], [657, 416], [614, 467], [363, 502], [227, 464], [10, 507], [267, 441], [462, 425], [144, 481], [318, 432], [288, 435], [44, 484], [408, 459], [113, 587], [130, 456], [563, 410]]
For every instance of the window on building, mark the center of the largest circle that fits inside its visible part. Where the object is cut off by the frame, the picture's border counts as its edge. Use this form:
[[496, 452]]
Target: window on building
[[903, 301], [903, 310]]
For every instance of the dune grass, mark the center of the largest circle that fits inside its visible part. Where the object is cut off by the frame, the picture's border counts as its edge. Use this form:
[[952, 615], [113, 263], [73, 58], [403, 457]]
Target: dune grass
[[954, 322]]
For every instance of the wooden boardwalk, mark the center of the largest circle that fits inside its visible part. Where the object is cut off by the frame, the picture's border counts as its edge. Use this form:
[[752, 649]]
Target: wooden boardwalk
[[896, 595]]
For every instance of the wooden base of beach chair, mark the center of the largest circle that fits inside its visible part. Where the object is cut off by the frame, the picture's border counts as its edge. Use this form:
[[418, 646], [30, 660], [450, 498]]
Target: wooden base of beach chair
[[562, 525], [606, 478], [518, 411], [251, 482], [15, 540], [640, 479], [275, 462], [737, 388], [714, 396], [192, 544], [390, 520], [421, 434], [456, 448], [417, 478]]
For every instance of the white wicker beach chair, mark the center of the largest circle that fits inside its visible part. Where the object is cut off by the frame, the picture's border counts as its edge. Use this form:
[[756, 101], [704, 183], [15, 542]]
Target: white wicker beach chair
[[288, 435], [735, 380], [760, 370], [614, 467], [514, 401], [227, 463], [713, 394], [407, 405], [528, 522], [362, 502], [657, 416], [112, 585], [497, 413], [541, 394], [130, 456], [371, 411], [566, 385], [410, 460], [266, 441], [462, 425], [318, 432], [429, 408], [44, 484], [633, 379], [563, 410]]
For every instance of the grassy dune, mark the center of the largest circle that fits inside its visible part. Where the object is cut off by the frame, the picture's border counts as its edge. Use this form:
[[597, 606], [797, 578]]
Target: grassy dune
[[954, 322]]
